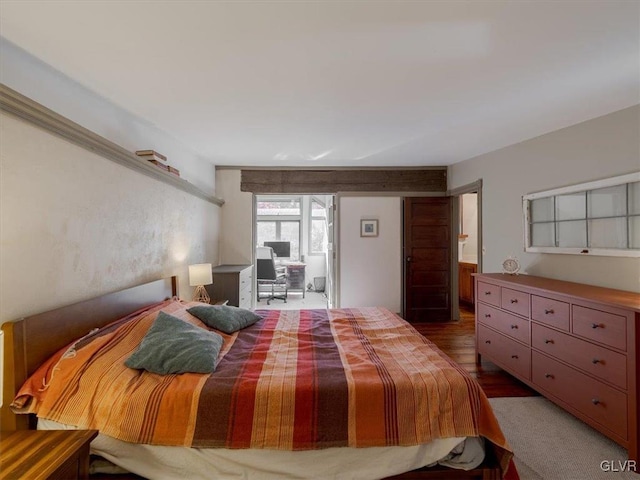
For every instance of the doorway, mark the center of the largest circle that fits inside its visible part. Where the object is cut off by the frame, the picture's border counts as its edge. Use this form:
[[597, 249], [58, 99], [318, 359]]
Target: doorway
[[468, 209], [299, 229]]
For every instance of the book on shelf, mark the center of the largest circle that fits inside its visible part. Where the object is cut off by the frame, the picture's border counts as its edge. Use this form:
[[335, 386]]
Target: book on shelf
[[165, 167], [160, 165], [151, 155]]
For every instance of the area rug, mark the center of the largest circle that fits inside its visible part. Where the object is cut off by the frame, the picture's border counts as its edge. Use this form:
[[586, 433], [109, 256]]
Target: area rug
[[551, 444]]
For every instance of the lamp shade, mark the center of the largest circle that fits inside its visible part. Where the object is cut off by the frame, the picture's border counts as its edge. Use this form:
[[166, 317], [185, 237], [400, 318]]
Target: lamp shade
[[200, 274]]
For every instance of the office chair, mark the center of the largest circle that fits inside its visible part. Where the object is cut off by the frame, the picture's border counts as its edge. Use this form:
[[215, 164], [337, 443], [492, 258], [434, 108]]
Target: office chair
[[270, 275]]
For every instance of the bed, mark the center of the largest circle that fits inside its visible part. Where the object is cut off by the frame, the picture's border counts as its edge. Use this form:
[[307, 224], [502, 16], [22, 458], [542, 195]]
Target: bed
[[353, 393]]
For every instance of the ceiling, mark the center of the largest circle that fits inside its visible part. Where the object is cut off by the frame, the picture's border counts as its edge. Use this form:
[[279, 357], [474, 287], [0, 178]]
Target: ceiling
[[352, 83]]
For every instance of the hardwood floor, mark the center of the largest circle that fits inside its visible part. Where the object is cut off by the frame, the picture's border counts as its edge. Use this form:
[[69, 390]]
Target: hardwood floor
[[457, 340]]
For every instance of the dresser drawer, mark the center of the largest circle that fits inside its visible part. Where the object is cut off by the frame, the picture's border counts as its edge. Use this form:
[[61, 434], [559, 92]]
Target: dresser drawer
[[599, 361], [489, 293], [245, 278], [508, 353], [602, 327], [510, 325], [602, 403], [515, 301], [549, 311], [245, 300], [245, 296]]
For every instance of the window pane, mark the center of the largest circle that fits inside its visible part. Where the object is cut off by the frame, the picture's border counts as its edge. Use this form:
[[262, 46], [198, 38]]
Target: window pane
[[570, 206], [608, 233], [634, 232], [607, 202], [572, 234], [278, 207], [603, 214], [290, 232], [266, 232], [318, 236], [542, 210], [317, 209], [634, 198], [542, 235]]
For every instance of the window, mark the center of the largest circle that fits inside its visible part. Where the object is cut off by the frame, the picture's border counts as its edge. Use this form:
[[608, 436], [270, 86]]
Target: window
[[279, 207], [279, 219], [318, 227], [597, 218]]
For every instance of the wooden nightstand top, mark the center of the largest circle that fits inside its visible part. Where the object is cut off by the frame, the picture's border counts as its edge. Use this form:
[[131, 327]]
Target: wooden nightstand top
[[43, 454]]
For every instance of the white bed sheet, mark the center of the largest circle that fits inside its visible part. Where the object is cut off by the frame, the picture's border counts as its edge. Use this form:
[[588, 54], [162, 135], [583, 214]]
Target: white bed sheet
[[181, 463]]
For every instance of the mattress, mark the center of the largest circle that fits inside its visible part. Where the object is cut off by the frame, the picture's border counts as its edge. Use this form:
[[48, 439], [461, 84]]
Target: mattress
[[179, 463]]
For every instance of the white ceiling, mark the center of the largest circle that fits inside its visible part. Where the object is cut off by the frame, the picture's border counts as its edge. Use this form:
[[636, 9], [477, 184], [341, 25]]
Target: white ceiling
[[378, 83]]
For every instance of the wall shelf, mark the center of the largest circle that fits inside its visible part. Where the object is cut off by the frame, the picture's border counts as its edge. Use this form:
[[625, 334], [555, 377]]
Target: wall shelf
[[36, 114]]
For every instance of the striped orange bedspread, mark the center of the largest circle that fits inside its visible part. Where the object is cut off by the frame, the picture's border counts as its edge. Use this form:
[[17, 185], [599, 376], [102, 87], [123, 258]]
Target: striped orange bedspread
[[296, 380]]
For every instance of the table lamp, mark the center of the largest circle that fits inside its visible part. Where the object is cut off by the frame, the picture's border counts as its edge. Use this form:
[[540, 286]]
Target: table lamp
[[200, 275]]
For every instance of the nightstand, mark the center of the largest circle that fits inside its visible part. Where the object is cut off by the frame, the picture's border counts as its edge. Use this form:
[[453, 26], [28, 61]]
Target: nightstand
[[233, 283], [45, 454]]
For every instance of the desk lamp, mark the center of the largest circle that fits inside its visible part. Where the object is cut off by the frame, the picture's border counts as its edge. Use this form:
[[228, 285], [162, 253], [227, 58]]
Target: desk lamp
[[200, 275]]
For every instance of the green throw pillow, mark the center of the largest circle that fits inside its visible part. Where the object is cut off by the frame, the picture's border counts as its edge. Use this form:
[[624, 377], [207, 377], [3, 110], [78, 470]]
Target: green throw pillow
[[172, 345], [225, 318]]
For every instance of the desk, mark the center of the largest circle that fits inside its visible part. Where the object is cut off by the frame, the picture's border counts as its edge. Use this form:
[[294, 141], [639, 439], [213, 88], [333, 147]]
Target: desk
[[296, 276]]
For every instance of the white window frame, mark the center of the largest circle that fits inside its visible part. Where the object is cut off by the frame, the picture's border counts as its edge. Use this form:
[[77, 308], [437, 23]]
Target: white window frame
[[279, 219], [608, 182], [313, 198]]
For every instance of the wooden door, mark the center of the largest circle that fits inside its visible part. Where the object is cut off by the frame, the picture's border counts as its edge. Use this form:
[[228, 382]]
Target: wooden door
[[427, 254]]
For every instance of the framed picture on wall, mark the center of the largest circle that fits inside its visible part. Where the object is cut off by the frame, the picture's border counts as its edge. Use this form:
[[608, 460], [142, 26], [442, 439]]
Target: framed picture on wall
[[368, 228]]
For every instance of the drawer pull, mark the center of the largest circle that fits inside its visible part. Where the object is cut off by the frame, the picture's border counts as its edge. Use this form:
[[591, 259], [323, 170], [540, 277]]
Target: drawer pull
[[596, 325], [548, 375], [487, 315], [514, 326], [548, 312], [488, 292], [595, 361], [514, 356], [548, 341], [487, 341], [595, 401], [514, 300]]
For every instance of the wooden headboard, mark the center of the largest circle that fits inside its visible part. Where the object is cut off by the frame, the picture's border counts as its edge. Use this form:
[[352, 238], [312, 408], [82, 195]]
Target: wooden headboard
[[31, 340]]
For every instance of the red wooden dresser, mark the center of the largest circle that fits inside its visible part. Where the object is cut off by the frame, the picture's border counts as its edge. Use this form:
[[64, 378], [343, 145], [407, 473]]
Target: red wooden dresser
[[576, 344]]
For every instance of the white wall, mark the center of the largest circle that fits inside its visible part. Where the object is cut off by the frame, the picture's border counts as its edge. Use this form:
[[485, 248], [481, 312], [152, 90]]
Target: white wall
[[370, 268], [236, 222], [74, 225], [49, 87], [603, 147]]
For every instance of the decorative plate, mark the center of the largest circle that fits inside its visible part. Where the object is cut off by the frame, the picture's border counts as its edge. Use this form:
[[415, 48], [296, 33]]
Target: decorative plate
[[511, 266]]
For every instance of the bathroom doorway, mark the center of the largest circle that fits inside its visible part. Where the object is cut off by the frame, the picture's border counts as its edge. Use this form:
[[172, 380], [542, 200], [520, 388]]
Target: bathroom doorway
[[468, 208]]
